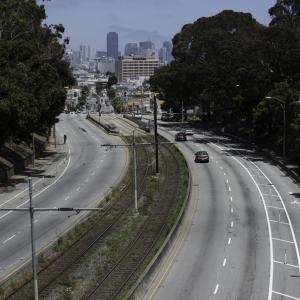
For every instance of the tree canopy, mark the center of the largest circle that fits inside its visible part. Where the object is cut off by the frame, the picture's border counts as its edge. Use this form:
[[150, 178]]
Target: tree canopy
[[33, 74], [228, 63]]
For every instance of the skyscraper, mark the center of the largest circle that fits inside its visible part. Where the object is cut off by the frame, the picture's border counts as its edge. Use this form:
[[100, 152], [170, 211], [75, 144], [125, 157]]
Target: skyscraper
[[147, 48], [112, 45], [131, 49], [165, 53]]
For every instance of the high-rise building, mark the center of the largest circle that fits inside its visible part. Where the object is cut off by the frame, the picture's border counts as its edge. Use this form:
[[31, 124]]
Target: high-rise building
[[101, 54], [133, 67], [131, 49], [89, 52], [165, 53], [83, 53], [112, 45], [147, 49]]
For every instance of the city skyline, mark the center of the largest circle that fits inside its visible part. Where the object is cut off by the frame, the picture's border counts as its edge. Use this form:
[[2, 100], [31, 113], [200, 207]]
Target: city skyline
[[88, 22]]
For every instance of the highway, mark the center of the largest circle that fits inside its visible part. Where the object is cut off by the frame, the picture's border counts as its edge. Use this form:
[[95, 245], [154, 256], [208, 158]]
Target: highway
[[239, 237], [85, 176]]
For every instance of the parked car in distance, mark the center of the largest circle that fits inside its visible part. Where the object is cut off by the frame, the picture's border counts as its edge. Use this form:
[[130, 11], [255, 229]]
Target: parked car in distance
[[188, 131], [137, 116], [180, 136], [201, 156], [164, 117], [72, 113]]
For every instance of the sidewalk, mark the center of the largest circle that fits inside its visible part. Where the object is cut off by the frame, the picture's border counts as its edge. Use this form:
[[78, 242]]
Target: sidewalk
[[46, 169]]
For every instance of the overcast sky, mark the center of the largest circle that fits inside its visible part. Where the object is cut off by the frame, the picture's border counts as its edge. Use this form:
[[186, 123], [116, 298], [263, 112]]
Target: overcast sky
[[88, 21]]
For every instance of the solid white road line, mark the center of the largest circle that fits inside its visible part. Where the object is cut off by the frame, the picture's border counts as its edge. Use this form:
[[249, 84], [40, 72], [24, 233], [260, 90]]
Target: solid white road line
[[284, 241], [216, 289], [9, 239], [224, 262], [285, 295]]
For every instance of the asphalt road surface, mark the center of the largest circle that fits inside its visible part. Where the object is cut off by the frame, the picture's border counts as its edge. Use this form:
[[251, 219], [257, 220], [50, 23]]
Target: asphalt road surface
[[85, 176], [238, 239]]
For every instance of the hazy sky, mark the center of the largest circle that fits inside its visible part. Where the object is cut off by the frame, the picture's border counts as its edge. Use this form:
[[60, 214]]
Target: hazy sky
[[88, 21]]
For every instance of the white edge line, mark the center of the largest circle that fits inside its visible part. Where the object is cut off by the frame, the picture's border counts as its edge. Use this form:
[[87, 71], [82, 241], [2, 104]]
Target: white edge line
[[287, 215], [269, 228]]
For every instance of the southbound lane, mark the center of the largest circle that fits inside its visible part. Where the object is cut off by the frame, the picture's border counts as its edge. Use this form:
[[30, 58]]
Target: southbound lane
[[90, 172]]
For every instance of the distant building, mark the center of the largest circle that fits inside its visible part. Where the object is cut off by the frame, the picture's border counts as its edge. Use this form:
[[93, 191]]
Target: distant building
[[133, 67], [131, 49], [83, 53], [105, 65], [147, 49], [165, 53], [112, 45], [89, 52], [72, 98], [101, 54]]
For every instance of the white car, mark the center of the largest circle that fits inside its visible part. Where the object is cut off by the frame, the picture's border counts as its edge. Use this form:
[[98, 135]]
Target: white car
[[188, 131], [137, 116]]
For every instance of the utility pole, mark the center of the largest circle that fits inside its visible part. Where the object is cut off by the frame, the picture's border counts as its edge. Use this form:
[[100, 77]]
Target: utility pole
[[33, 150], [156, 136], [133, 145], [182, 117], [31, 209]]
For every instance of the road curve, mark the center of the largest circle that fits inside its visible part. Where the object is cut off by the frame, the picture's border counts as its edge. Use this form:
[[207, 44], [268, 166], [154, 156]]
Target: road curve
[[233, 247], [90, 172]]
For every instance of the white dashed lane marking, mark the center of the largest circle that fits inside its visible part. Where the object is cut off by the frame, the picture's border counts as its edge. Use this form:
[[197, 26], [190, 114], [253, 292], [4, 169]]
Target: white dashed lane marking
[[9, 239], [216, 289], [224, 262], [229, 241]]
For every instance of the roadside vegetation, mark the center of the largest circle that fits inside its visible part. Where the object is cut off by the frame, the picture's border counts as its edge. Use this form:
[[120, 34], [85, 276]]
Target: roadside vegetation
[[33, 74], [228, 64]]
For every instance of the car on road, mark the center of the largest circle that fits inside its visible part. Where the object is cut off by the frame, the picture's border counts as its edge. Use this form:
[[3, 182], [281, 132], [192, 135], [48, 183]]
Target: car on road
[[188, 131], [201, 156], [165, 117], [72, 113], [137, 116], [180, 136]]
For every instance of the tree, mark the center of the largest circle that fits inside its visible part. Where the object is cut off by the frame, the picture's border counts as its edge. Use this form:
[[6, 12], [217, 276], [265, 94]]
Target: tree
[[33, 73]]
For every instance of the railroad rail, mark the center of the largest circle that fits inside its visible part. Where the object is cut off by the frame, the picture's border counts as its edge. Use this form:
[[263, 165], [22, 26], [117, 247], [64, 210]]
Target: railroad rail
[[91, 239], [133, 257]]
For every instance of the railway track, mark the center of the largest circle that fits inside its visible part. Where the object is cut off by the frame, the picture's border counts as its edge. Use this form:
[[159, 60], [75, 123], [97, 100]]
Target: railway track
[[81, 247], [133, 257]]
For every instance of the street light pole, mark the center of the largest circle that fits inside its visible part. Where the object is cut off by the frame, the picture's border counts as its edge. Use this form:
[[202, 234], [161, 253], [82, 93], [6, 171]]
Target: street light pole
[[283, 106]]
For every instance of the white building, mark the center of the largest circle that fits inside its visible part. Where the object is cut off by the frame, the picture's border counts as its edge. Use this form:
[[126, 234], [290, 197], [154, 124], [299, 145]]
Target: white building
[[133, 67]]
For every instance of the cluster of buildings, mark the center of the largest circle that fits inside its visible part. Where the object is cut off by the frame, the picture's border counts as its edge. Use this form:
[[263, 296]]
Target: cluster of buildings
[[139, 59]]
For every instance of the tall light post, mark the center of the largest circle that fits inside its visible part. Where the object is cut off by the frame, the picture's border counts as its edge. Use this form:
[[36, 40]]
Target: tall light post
[[283, 106]]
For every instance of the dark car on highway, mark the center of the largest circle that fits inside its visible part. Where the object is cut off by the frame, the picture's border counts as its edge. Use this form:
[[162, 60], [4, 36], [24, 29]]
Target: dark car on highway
[[180, 136], [201, 156]]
